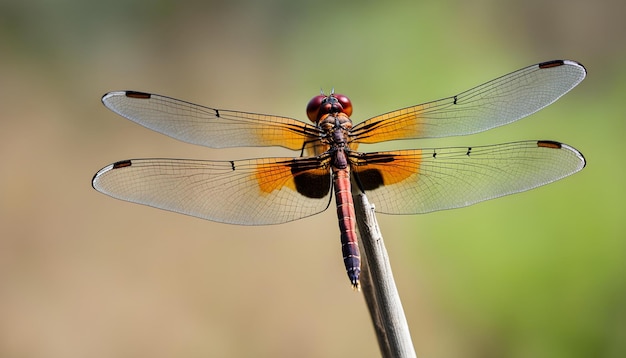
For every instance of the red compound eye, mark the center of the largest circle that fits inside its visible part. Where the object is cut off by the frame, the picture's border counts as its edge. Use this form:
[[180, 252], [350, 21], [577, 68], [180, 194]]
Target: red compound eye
[[313, 108], [345, 103]]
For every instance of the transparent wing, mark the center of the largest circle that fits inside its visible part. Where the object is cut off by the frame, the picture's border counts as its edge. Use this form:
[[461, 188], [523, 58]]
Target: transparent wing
[[425, 180], [495, 103], [245, 192], [206, 126]]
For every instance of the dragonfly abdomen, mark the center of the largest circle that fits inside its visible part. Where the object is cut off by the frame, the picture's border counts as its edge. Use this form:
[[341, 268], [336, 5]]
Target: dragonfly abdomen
[[347, 224]]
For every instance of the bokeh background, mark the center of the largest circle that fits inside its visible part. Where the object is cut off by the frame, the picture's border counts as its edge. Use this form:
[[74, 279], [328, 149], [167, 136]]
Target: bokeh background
[[538, 274]]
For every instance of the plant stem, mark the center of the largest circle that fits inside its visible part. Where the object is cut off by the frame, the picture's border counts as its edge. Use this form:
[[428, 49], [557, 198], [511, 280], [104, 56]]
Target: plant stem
[[379, 287]]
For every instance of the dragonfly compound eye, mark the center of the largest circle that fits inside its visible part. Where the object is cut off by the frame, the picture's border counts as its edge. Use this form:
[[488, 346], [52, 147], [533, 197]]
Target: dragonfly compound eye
[[345, 103], [313, 108]]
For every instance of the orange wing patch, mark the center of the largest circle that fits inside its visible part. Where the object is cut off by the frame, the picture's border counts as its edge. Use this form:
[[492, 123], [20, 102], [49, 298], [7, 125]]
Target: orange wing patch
[[373, 170], [401, 124], [274, 176], [308, 176]]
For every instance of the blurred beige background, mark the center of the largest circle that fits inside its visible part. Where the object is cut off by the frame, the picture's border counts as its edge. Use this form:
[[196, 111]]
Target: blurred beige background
[[539, 274]]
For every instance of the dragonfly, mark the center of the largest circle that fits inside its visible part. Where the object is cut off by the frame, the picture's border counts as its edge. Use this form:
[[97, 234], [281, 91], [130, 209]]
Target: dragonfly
[[276, 190]]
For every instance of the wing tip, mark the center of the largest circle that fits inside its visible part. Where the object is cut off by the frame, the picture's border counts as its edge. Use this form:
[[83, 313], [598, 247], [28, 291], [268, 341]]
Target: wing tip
[[558, 63], [579, 154], [108, 168], [558, 145], [99, 173]]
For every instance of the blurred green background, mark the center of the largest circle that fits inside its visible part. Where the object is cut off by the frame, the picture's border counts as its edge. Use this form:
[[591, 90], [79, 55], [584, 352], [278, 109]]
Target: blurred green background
[[539, 274]]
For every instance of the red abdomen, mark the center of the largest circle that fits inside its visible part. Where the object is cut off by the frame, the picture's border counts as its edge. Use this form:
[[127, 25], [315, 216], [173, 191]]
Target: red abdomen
[[347, 224]]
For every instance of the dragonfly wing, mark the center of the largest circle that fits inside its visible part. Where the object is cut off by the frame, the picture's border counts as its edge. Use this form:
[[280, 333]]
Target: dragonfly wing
[[495, 103], [426, 180], [245, 192], [206, 126]]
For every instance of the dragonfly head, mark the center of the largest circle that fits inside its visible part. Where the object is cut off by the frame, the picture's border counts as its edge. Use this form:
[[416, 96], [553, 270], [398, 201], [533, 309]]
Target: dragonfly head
[[322, 104]]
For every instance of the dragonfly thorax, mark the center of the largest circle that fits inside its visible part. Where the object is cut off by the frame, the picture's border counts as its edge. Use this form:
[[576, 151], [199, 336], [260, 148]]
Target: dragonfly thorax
[[336, 127]]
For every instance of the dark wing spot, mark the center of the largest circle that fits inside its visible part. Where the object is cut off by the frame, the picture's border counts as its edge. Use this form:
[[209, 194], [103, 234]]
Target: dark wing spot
[[311, 176], [121, 164], [312, 185], [368, 179], [136, 94], [549, 64], [549, 144]]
